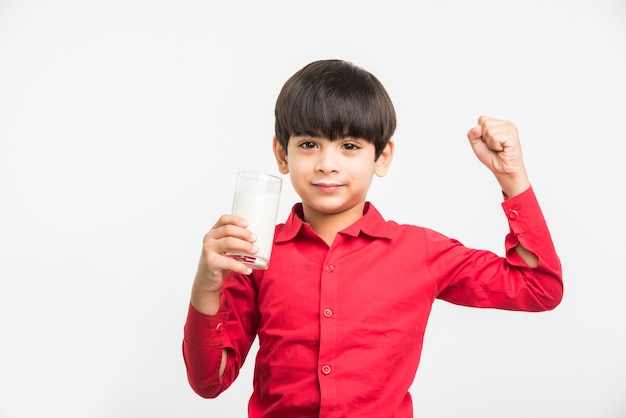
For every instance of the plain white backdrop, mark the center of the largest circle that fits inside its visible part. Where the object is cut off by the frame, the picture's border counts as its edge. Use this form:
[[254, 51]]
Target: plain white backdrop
[[123, 123]]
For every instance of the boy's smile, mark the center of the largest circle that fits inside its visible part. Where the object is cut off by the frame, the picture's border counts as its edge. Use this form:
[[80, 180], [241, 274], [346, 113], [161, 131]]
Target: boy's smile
[[331, 177], [329, 186]]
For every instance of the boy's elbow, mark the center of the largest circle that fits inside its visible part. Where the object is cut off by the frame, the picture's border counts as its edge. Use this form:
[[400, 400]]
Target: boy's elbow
[[209, 387], [545, 292], [206, 391], [553, 296], [556, 299], [548, 285], [207, 394]]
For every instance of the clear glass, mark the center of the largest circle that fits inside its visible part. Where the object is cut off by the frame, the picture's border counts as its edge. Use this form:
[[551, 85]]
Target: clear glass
[[256, 200]]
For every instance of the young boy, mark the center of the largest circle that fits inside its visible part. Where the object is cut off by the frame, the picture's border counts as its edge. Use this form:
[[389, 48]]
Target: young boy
[[342, 309]]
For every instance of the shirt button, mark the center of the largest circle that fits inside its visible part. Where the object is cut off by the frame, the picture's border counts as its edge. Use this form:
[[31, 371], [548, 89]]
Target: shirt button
[[220, 327], [513, 214], [326, 369], [328, 313], [330, 268]]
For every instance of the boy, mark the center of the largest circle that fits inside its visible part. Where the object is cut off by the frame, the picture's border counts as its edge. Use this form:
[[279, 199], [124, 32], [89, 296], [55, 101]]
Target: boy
[[341, 311]]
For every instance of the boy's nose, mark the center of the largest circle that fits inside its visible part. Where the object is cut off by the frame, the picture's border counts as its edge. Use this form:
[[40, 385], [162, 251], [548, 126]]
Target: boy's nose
[[327, 162]]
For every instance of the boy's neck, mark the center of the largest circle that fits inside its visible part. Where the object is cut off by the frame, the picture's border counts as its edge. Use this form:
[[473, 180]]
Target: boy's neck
[[327, 225]]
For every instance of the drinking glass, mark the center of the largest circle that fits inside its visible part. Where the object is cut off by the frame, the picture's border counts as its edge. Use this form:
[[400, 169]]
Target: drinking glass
[[256, 200]]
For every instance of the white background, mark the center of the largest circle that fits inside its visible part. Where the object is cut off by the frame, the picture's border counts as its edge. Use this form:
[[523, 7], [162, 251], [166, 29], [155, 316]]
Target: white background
[[123, 123]]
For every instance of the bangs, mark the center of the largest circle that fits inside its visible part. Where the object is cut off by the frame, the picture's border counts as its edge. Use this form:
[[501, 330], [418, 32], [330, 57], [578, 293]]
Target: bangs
[[336, 114]]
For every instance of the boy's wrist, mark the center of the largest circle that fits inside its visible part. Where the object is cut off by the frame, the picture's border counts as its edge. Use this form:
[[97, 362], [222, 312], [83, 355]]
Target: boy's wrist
[[512, 185], [205, 301]]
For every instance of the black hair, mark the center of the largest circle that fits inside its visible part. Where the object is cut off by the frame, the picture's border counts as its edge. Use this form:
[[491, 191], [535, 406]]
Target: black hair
[[335, 99]]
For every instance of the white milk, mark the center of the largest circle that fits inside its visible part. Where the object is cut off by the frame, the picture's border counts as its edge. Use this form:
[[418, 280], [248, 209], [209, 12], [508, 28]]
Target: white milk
[[259, 208]]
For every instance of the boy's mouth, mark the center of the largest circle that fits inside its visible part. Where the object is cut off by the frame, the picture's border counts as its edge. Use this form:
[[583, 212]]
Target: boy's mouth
[[327, 185]]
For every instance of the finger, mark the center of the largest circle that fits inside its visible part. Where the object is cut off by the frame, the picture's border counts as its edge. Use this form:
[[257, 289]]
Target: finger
[[232, 231], [218, 265], [228, 264], [501, 135], [214, 250], [482, 119], [493, 141], [239, 267], [236, 244], [231, 220]]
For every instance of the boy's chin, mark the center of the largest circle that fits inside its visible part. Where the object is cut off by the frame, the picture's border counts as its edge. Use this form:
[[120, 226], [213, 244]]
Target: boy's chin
[[330, 208]]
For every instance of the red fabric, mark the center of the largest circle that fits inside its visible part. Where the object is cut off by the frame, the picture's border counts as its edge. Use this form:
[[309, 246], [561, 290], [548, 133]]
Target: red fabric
[[340, 329]]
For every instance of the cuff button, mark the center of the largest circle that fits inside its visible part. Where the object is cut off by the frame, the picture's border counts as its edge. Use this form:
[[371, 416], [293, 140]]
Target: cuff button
[[513, 214]]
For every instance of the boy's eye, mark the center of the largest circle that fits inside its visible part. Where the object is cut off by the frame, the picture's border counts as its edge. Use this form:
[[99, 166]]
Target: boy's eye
[[350, 146], [307, 145]]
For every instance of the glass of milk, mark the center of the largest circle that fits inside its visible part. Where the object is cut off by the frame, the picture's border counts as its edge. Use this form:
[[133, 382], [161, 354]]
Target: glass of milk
[[256, 200]]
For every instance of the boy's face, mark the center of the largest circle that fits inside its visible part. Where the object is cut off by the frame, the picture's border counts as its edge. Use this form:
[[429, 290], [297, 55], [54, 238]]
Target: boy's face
[[331, 177]]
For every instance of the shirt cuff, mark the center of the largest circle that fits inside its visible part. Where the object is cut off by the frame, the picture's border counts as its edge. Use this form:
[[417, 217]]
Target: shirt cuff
[[523, 212], [205, 329]]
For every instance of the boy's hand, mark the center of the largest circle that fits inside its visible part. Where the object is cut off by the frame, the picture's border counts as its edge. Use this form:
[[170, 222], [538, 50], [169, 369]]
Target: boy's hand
[[496, 144], [228, 234]]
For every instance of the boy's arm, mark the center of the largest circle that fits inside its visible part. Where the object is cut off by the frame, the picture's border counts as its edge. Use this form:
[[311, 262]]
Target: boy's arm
[[529, 277], [211, 329], [481, 278], [496, 144]]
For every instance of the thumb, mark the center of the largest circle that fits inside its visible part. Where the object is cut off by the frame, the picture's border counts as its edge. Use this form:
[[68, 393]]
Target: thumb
[[475, 133]]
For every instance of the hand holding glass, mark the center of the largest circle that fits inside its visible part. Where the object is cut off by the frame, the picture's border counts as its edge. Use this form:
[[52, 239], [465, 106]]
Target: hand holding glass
[[256, 200]]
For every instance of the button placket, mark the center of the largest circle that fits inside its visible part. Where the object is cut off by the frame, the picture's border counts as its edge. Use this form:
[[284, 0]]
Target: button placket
[[328, 332]]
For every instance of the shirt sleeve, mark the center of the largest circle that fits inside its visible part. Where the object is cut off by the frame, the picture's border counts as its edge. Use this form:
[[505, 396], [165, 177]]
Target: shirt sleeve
[[205, 336], [482, 279]]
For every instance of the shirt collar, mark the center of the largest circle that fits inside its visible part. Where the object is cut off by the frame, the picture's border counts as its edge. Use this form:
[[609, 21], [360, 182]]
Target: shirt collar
[[371, 223]]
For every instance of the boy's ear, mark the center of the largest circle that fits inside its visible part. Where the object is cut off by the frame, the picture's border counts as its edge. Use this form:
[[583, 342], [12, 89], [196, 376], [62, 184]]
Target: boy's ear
[[281, 157], [383, 162]]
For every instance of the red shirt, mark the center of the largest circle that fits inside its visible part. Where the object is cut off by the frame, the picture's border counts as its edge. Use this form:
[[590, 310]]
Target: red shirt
[[340, 328]]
